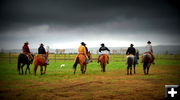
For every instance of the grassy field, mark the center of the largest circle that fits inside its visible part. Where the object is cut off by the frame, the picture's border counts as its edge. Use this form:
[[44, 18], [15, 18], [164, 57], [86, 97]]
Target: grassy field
[[60, 83]]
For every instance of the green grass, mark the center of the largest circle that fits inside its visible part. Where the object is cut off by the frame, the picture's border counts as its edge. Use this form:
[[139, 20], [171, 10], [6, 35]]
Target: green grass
[[61, 83], [9, 71]]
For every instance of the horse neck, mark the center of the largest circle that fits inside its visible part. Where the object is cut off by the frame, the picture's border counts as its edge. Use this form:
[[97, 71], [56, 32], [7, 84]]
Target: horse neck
[[47, 53], [89, 55]]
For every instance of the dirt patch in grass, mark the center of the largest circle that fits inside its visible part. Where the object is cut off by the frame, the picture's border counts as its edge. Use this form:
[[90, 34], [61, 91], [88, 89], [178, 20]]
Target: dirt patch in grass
[[110, 85]]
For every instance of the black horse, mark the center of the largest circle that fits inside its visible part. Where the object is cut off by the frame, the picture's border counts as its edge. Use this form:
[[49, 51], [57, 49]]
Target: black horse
[[22, 60]]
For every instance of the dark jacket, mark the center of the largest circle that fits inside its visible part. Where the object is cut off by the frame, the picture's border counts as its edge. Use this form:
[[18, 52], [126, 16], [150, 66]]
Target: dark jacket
[[131, 50], [26, 49], [103, 49], [41, 50], [86, 49]]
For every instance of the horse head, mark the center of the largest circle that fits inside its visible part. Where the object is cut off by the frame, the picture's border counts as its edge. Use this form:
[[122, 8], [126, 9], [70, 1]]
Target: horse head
[[47, 54], [89, 54]]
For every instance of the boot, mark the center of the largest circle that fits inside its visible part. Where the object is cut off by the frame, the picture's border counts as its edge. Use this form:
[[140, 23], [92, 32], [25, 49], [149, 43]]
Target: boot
[[47, 62]]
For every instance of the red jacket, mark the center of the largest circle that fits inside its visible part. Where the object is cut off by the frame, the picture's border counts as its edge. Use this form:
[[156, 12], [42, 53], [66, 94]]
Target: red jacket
[[26, 49]]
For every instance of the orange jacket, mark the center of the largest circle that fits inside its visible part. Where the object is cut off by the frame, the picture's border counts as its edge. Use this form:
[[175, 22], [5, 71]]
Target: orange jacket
[[82, 49]]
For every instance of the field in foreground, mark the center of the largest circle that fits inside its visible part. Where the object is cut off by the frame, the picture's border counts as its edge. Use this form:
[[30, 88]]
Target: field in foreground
[[60, 83]]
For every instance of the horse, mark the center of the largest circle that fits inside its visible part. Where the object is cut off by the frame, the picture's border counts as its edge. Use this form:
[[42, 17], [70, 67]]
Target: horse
[[147, 60], [22, 60], [130, 62], [81, 59], [103, 61], [40, 60]]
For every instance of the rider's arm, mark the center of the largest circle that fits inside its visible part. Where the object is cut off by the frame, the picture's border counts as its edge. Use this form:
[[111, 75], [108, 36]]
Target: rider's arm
[[127, 51], [99, 49], [84, 49], [38, 50], [28, 49], [44, 50], [107, 49]]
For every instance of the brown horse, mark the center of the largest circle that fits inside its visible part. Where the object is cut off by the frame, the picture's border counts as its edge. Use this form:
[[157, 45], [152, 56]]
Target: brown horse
[[147, 60], [40, 60], [81, 59], [103, 61]]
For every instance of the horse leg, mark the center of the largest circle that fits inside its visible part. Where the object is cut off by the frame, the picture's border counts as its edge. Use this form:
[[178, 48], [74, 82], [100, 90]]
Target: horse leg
[[101, 68], [19, 69], [104, 65], [131, 70], [74, 68], [22, 68], [45, 69], [127, 70], [27, 68], [85, 68], [35, 69], [41, 70], [148, 68], [134, 68], [144, 67]]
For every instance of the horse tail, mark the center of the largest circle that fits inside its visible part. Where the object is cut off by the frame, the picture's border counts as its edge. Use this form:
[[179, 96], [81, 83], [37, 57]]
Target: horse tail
[[104, 62], [145, 60], [103, 59], [129, 61], [35, 64], [76, 62]]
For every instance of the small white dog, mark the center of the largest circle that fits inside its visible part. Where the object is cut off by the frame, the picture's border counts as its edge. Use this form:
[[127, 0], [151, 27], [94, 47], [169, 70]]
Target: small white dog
[[62, 65]]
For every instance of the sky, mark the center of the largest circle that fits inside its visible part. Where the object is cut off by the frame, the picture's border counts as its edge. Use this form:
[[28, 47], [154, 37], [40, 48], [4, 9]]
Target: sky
[[63, 24]]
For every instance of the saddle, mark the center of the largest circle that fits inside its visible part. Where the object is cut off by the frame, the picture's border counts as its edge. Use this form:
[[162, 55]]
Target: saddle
[[130, 55], [29, 56], [78, 56], [148, 53]]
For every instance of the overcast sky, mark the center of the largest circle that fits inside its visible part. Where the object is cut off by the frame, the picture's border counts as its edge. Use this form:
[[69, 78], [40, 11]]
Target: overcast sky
[[66, 23]]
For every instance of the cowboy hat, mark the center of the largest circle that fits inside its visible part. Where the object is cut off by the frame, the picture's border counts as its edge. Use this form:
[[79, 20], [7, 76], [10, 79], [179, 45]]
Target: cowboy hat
[[41, 44], [102, 44], [26, 42], [149, 42], [82, 43]]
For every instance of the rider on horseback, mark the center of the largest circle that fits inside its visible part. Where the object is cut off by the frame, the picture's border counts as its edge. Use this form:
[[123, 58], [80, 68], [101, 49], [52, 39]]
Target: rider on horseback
[[26, 51], [150, 50], [103, 50], [41, 50], [131, 51], [83, 50]]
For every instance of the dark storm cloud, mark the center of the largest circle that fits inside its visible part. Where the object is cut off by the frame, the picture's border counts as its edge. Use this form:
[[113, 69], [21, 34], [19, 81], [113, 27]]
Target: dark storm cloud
[[140, 20], [85, 12]]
